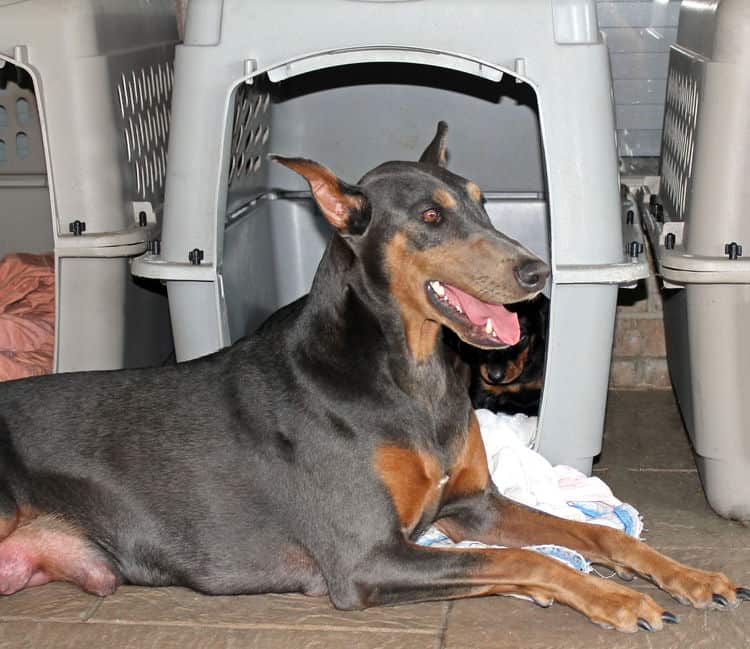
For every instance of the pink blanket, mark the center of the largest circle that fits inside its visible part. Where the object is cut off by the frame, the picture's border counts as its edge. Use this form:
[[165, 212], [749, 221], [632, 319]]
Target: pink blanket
[[27, 315]]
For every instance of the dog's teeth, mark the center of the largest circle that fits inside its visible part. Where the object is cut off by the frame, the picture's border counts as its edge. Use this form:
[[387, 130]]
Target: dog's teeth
[[488, 326], [438, 288], [459, 309]]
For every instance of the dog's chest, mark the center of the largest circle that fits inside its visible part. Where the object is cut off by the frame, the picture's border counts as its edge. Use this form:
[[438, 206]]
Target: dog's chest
[[416, 470], [414, 480]]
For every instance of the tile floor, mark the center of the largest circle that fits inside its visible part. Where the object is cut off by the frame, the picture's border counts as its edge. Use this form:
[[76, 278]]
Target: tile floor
[[646, 459]]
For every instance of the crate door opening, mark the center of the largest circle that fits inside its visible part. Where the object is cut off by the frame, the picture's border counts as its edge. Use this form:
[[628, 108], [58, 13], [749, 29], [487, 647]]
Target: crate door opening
[[27, 290], [351, 119], [25, 219]]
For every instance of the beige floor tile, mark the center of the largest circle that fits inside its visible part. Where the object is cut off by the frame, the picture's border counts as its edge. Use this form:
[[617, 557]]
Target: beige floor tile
[[500, 623], [675, 510], [35, 635], [181, 605], [644, 429], [56, 601]]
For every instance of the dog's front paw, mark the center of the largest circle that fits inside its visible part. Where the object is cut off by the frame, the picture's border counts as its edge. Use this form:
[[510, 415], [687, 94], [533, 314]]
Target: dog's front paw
[[618, 607], [703, 589], [613, 606]]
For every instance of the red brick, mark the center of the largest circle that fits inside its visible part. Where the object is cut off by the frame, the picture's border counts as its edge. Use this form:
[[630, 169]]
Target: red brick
[[623, 374], [627, 338], [655, 373], [652, 334]]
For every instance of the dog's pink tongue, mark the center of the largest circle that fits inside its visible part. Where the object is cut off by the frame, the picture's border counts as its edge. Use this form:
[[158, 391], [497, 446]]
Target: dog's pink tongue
[[505, 322]]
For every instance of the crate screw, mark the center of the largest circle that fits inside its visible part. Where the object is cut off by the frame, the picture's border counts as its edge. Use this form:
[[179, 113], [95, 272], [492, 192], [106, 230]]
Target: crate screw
[[733, 250], [630, 217], [77, 228], [635, 248], [195, 256], [670, 240], [142, 219]]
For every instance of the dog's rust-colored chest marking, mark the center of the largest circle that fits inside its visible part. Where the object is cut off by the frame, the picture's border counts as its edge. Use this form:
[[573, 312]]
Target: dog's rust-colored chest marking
[[413, 479], [416, 482], [469, 473]]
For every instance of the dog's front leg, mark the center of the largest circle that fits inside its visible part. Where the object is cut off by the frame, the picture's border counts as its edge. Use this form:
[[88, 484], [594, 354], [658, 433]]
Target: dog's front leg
[[473, 510], [496, 520], [412, 573]]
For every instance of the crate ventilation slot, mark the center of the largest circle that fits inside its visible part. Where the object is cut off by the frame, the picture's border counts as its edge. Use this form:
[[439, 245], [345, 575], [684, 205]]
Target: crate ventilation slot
[[250, 131], [680, 119], [144, 96]]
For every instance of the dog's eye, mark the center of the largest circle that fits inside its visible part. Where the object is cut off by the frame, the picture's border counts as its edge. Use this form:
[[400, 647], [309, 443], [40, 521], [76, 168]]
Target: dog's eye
[[431, 216]]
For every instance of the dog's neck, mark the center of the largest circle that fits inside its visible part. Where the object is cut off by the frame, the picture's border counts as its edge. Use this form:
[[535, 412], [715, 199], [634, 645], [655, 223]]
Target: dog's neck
[[356, 305]]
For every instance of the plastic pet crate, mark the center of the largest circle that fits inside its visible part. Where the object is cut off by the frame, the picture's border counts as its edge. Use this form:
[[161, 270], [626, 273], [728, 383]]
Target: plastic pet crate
[[84, 120], [697, 225], [525, 89]]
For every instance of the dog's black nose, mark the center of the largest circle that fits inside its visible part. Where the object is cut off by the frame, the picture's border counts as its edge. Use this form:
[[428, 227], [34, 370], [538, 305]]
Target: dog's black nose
[[495, 373], [532, 274]]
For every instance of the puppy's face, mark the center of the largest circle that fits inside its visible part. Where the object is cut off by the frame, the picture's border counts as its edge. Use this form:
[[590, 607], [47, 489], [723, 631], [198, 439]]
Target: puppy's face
[[509, 380]]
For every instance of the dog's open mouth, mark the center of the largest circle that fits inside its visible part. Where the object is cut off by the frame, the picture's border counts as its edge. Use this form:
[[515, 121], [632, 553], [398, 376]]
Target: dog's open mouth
[[480, 323]]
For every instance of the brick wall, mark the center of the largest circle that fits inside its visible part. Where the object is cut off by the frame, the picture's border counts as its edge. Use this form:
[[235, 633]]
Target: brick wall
[[638, 354]]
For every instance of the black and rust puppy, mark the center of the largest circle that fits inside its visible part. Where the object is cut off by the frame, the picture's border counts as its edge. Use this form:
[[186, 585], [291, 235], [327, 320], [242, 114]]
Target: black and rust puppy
[[510, 380], [310, 456]]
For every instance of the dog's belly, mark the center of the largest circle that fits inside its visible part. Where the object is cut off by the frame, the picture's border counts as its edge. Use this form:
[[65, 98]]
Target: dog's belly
[[260, 565]]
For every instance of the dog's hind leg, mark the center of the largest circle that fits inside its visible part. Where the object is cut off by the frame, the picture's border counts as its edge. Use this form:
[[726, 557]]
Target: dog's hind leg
[[41, 548], [8, 511], [8, 514]]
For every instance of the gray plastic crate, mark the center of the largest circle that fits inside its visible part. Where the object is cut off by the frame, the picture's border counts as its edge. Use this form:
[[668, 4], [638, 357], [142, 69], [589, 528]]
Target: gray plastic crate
[[83, 130], [704, 191], [525, 88]]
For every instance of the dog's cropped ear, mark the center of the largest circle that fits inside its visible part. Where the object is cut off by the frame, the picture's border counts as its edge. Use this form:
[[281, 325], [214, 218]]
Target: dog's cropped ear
[[435, 152], [345, 207]]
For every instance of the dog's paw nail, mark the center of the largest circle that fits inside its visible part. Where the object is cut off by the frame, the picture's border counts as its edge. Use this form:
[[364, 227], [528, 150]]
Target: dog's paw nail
[[669, 618], [743, 594], [721, 600], [642, 624]]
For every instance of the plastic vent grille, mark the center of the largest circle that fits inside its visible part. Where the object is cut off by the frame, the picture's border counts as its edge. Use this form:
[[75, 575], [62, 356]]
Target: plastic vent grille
[[680, 122], [144, 95], [250, 131]]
